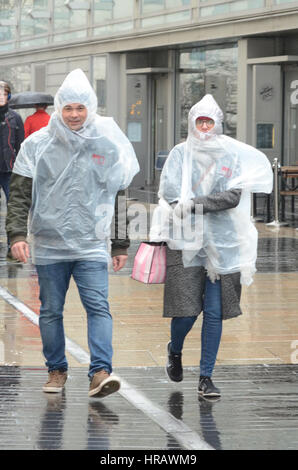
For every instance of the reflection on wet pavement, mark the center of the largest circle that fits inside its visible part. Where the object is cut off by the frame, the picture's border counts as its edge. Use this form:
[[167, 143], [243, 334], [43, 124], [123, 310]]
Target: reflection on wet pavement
[[31, 419], [258, 410]]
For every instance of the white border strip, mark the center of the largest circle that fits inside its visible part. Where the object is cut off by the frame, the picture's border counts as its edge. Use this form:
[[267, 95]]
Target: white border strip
[[188, 439], [180, 431]]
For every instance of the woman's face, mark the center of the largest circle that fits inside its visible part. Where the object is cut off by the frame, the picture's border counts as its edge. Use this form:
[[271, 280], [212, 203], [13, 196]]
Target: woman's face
[[204, 124]]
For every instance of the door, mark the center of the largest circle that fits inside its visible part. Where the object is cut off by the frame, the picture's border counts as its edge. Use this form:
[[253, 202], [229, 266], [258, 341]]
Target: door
[[160, 123], [267, 110], [291, 116], [147, 123], [138, 119]]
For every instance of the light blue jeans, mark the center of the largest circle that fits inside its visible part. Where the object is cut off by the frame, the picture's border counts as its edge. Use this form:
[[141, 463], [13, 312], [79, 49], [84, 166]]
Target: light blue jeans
[[91, 278], [211, 328]]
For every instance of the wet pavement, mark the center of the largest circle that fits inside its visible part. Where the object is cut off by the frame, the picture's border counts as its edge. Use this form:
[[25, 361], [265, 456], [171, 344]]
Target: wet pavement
[[258, 410], [277, 255], [257, 368]]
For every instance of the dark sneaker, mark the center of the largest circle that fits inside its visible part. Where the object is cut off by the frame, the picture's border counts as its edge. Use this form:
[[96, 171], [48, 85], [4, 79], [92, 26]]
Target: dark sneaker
[[207, 388], [56, 381], [103, 384], [174, 365]]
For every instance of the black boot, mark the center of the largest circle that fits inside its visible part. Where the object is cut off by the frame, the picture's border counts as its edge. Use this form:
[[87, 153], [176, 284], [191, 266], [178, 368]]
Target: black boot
[[174, 366], [207, 388]]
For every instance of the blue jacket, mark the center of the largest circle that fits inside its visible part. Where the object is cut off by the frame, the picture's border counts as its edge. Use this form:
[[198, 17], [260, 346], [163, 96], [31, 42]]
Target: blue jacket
[[11, 137]]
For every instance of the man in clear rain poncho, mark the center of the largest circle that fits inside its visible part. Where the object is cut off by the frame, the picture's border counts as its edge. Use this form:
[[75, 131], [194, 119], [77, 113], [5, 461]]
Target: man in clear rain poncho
[[204, 216], [68, 175]]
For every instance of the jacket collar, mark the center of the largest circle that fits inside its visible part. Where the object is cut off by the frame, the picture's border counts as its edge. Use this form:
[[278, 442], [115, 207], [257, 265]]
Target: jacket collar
[[3, 111]]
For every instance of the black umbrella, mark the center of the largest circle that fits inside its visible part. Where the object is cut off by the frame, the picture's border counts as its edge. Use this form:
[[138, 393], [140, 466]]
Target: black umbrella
[[29, 99]]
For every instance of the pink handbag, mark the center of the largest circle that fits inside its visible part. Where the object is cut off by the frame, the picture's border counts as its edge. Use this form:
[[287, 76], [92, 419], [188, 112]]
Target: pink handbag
[[150, 263]]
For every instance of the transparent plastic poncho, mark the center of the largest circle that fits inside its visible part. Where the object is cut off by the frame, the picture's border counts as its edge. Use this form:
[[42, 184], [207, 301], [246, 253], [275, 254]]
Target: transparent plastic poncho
[[208, 163], [76, 176]]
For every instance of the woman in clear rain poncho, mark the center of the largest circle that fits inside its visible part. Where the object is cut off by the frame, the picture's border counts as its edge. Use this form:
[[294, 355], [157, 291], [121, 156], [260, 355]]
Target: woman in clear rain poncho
[[73, 168], [205, 190]]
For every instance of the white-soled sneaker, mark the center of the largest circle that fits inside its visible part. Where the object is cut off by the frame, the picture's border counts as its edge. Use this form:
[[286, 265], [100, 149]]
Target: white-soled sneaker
[[207, 388], [56, 381]]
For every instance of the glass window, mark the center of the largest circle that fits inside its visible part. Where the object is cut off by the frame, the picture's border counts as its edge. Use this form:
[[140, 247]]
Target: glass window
[[177, 3], [230, 7], [6, 33], [5, 47], [70, 36], [181, 16], [112, 10], [151, 6], [265, 136], [215, 10], [247, 4], [31, 43], [19, 77], [279, 2], [207, 70], [191, 86], [100, 83], [7, 20], [7, 9], [113, 28], [66, 18], [30, 26]]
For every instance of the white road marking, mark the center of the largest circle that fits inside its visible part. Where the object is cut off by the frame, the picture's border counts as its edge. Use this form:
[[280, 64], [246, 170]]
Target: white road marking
[[186, 437]]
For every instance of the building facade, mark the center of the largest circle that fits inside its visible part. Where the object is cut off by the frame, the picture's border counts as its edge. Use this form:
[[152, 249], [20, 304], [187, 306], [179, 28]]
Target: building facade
[[150, 60]]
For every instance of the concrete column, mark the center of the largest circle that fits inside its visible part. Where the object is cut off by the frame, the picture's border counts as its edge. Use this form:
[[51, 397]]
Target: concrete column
[[244, 99], [116, 88], [123, 93], [171, 99]]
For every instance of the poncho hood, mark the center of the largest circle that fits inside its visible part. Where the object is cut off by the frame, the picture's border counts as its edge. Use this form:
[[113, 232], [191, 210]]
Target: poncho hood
[[75, 88], [209, 108]]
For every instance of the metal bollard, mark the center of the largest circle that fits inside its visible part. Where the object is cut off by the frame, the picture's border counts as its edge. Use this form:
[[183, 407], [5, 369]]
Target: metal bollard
[[276, 222]]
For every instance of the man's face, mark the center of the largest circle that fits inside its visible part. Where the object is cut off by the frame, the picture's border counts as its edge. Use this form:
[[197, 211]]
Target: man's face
[[205, 124], [74, 115], [3, 96]]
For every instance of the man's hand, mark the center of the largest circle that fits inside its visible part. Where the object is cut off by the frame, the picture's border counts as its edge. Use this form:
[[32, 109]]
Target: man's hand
[[119, 262], [20, 251]]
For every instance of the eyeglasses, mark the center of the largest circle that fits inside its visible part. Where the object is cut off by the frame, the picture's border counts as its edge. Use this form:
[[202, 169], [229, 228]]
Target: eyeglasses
[[208, 122]]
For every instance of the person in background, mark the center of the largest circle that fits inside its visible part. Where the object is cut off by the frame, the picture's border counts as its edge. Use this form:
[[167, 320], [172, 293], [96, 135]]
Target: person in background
[[11, 137], [37, 120]]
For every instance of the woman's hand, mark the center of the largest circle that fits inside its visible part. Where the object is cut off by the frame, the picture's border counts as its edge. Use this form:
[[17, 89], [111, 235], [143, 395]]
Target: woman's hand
[[182, 209], [119, 262]]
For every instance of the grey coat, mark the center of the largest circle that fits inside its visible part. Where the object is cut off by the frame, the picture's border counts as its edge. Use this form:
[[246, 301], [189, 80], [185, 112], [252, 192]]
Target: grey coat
[[184, 287]]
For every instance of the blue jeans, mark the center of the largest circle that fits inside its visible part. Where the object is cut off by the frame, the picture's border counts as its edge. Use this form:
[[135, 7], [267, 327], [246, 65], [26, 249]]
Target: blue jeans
[[211, 328], [91, 278], [4, 183]]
